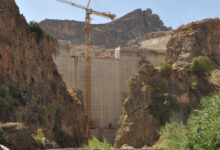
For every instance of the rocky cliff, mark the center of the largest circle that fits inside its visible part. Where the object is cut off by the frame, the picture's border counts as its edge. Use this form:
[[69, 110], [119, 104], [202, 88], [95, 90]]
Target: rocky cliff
[[195, 39], [31, 89], [157, 97], [109, 35]]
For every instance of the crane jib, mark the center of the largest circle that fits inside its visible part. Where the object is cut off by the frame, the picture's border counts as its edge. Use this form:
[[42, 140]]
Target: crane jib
[[90, 11]]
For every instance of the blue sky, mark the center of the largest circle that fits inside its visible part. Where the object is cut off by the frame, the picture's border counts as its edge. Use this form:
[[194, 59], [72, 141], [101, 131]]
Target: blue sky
[[172, 12]]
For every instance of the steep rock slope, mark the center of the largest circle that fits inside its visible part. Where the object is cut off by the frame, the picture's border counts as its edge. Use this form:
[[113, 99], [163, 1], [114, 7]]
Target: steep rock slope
[[155, 99], [41, 99], [108, 35], [199, 38]]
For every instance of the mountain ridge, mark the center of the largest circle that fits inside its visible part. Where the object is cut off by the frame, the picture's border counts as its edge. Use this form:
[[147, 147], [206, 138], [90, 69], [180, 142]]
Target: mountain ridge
[[109, 35]]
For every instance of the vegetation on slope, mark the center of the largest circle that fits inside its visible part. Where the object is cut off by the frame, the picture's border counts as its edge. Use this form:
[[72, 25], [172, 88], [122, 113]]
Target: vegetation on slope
[[36, 30], [201, 66], [200, 133], [8, 97], [165, 69], [94, 143], [162, 107]]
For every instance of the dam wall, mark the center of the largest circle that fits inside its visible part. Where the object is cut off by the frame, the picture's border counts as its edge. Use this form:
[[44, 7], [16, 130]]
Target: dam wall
[[108, 78]]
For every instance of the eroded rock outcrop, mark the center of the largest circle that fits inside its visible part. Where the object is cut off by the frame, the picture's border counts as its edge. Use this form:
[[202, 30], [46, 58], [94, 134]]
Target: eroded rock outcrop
[[41, 99], [155, 98], [17, 137], [196, 39], [109, 35]]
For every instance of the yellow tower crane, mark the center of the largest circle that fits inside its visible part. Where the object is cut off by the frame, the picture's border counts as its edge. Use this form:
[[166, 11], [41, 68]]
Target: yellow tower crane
[[88, 52]]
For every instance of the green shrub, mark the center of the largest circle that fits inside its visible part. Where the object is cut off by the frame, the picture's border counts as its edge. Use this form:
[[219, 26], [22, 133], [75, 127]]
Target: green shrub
[[54, 144], [39, 138], [8, 98], [202, 132], [140, 71], [4, 105], [3, 138], [194, 86], [122, 116], [46, 113], [180, 78], [165, 69], [94, 143], [202, 66], [173, 136], [51, 110], [1, 130], [4, 90], [131, 82], [43, 115], [162, 107], [36, 30]]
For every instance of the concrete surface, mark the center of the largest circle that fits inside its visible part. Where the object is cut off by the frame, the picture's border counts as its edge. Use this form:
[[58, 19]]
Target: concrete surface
[[109, 78]]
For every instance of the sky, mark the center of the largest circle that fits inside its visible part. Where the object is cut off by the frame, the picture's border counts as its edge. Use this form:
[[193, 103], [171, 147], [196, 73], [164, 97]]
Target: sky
[[172, 12]]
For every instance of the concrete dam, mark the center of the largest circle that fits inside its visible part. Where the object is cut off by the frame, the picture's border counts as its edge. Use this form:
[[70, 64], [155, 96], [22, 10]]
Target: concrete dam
[[109, 79]]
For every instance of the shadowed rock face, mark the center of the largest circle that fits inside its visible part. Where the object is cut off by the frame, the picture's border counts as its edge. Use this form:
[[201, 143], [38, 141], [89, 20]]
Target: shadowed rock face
[[109, 35], [17, 137], [27, 65], [141, 123]]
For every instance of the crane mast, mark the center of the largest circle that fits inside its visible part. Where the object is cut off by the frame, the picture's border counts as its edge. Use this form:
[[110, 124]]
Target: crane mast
[[88, 70], [88, 53]]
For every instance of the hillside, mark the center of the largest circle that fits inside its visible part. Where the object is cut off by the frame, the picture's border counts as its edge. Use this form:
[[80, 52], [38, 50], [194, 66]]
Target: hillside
[[170, 92], [109, 35], [31, 90]]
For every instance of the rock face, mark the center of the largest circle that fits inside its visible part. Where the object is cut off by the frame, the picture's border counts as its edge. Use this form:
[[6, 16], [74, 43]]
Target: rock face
[[109, 35], [196, 39], [155, 99], [17, 137], [26, 64]]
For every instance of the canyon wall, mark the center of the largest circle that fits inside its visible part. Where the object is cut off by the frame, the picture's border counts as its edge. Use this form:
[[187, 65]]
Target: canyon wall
[[157, 98], [40, 97]]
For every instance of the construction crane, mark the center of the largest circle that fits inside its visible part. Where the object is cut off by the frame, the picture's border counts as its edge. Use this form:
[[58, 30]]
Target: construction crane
[[88, 53]]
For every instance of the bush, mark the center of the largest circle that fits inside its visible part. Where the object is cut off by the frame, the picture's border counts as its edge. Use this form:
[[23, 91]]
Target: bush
[[165, 69], [122, 116], [202, 66], [39, 138], [51, 110], [194, 86], [15, 92], [8, 97], [43, 115], [94, 143], [200, 133], [46, 113], [4, 105], [173, 136], [36, 30], [131, 82], [3, 139], [141, 71], [54, 144], [162, 107]]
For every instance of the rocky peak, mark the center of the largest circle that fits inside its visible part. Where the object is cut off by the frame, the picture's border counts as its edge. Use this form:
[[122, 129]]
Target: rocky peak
[[109, 35]]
